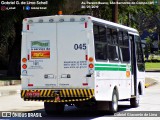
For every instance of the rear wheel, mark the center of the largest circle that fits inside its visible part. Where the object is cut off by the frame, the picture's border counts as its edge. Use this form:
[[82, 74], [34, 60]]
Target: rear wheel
[[113, 105], [134, 102], [53, 108]]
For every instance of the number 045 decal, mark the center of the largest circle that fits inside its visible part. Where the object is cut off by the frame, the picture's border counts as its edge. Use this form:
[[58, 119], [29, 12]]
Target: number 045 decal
[[80, 46]]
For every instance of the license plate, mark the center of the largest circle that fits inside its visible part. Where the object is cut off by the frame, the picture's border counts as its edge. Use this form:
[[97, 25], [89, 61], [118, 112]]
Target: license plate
[[32, 94]]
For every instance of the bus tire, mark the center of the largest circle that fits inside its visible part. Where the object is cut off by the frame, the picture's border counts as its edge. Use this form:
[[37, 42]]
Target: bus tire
[[113, 105], [134, 102], [53, 108]]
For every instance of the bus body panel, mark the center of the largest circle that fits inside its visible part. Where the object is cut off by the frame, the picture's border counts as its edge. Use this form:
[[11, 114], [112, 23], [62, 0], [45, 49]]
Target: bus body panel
[[61, 64], [107, 80], [72, 51]]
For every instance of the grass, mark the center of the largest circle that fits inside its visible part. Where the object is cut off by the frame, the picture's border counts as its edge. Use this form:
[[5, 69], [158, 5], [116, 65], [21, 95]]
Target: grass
[[152, 66]]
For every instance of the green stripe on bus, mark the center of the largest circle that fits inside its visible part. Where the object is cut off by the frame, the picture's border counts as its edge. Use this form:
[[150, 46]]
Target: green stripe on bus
[[110, 65], [110, 69]]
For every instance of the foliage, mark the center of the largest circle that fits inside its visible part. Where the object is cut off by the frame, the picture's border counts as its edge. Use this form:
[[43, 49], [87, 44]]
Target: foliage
[[12, 20], [148, 45], [148, 40], [152, 66]]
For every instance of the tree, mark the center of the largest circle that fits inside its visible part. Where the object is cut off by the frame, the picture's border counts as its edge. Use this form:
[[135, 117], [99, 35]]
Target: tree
[[11, 27], [148, 45]]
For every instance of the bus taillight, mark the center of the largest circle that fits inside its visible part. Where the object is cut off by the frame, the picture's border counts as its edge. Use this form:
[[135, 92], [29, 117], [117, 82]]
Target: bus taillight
[[30, 84], [24, 66], [86, 57], [91, 65], [85, 24], [24, 60], [90, 59], [27, 27]]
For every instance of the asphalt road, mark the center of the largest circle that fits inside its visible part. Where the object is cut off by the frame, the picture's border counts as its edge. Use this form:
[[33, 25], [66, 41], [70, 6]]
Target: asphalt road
[[149, 102]]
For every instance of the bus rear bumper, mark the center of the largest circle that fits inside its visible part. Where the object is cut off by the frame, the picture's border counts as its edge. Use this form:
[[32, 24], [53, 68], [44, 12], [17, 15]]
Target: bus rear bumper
[[64, 95]]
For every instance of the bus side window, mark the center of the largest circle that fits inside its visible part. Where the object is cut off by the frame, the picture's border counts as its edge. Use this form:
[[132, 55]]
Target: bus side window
[[120, 38], [113, 53], [96, 35], [109, 35], [126, 39], [139, 53], [124, 46], [114, 36], [112, 44], [100, 42]]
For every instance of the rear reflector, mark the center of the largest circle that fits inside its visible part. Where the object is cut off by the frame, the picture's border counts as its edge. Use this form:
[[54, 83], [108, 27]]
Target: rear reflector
[[28, 57], [86, 57], [84, 84], [85, 24], [30, 84], [27, 27]]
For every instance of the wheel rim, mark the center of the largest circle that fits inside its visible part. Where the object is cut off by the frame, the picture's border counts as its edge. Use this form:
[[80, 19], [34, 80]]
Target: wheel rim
[[115, 103]]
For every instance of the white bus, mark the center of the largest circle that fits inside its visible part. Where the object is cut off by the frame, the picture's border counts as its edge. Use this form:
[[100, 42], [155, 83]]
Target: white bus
[[80, 60]]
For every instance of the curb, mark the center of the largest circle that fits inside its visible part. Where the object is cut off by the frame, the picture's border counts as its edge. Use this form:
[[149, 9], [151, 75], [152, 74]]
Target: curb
[[152, 71], [6, 93], [9, 82], [150, 84]]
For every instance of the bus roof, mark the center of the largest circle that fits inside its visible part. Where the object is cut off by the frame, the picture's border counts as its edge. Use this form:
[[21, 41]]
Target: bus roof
[[114, 24], [56, 18]]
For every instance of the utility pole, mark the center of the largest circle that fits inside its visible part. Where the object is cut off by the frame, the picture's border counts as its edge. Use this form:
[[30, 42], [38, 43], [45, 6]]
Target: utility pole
[[115, 12], [129, 17]]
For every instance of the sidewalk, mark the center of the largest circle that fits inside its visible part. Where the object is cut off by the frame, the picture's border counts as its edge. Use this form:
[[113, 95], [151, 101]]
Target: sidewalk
[[14, 87]]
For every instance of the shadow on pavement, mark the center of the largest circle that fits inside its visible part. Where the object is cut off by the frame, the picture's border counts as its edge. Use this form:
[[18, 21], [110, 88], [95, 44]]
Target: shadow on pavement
[[76, 113]]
